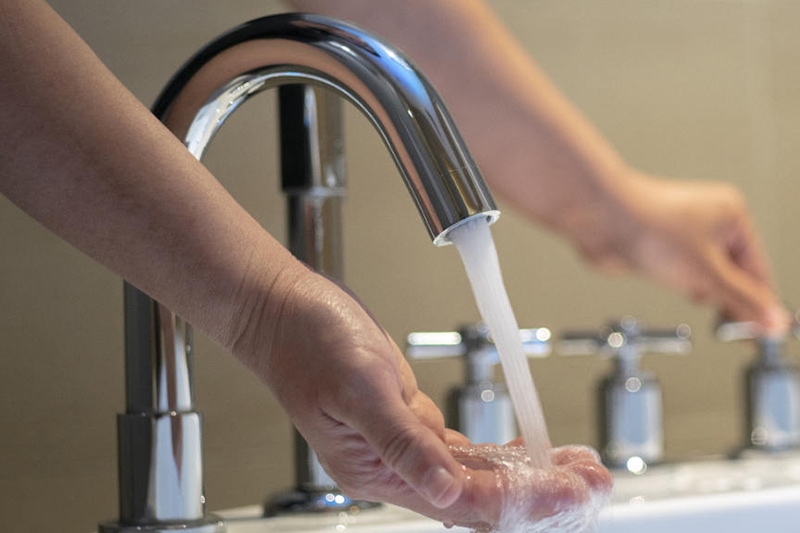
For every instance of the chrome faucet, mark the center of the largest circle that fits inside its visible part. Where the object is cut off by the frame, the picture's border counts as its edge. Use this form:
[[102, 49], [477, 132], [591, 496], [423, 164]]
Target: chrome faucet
[[481, 407], [311, 58], [772, 388], [630, 406]]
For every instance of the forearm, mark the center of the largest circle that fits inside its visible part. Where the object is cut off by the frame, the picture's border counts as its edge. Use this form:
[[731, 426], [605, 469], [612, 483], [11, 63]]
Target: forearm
[[86, 159], [543, 156]]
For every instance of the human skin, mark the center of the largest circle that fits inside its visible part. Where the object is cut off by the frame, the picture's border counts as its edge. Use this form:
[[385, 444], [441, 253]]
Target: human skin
[[83, 157], [546, 160], [117, 189]]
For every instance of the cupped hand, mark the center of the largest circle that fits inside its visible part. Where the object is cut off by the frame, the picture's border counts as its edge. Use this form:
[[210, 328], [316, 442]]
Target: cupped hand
[[353, 396], [567, 496], [697, 237]]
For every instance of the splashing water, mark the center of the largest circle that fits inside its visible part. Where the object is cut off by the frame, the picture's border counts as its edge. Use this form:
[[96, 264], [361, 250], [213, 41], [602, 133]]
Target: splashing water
[[474, 242], [520, 471], [514, 472]]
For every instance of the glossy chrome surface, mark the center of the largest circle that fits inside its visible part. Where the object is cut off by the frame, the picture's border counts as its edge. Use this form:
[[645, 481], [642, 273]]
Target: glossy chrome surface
[[313, 181], [772, 382], [305, 49], [631, 429], [159, 436], [160, 455], [481, 408]]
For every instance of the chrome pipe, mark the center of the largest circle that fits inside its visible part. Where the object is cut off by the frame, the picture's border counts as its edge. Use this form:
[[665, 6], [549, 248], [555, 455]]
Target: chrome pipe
[[313, 179], [159, 437]]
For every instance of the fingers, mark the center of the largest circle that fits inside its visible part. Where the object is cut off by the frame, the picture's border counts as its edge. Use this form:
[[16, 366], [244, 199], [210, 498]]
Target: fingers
[[504, 490], [412, 445], [454, 438], [700, 239], [585, 462], [741, 278], [744, 246], [438, 483], [745, 277], [566, 455], [743, 297], [423, 461]]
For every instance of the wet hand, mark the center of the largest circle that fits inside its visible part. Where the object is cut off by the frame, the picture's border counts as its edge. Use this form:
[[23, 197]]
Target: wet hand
[[353, 396]]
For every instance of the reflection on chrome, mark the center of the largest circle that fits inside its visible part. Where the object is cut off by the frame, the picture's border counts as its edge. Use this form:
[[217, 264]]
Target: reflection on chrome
[[316, 62], [630, 412], [636, 465]]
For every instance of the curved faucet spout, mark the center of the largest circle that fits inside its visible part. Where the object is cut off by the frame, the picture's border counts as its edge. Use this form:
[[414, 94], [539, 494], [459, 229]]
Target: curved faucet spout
[[159, 480], [311, 50]]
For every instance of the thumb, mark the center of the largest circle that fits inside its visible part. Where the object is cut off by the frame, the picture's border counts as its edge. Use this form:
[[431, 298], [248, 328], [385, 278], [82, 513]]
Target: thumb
[[417, 454], [744, 297]]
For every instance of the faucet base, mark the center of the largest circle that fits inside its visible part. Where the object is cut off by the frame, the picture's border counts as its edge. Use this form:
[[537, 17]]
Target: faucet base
[[316, 501], [209, 524]]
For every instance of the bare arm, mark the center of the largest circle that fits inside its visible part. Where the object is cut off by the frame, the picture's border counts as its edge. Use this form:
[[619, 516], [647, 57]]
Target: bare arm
[[88, 161], [82, 156], [85, 158], [545, 159]]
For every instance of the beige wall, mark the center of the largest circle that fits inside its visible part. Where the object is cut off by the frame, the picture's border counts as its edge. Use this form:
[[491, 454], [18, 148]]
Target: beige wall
[[685, 88]]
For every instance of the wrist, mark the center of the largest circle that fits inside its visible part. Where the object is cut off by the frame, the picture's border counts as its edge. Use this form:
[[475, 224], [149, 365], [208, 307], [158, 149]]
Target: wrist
[[267, 289], [602, 220]]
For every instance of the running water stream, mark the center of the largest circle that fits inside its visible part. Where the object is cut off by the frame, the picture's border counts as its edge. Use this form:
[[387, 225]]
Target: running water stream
[[473, 240]]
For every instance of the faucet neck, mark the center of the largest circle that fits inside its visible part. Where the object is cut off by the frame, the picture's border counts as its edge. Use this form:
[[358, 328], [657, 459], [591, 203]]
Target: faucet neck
[[443, 179]]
